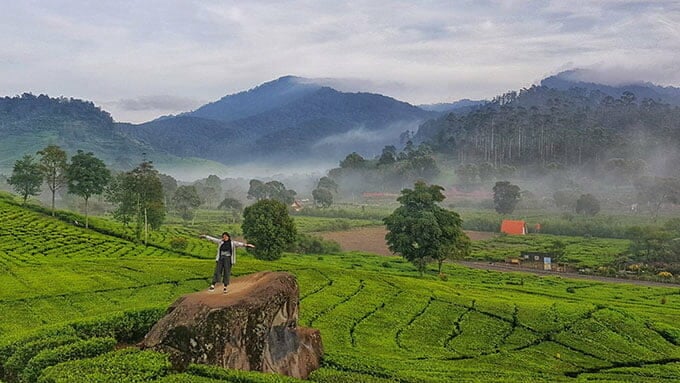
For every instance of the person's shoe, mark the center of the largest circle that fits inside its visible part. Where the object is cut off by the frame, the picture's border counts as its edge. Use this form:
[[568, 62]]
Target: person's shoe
[[211, 288]]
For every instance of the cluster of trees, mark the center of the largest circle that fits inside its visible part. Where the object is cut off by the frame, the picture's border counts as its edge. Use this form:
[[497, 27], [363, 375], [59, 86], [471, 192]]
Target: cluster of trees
[[274, 190], [542, 125], [391, 170], [137, 194], [485, 171], [84, 176]]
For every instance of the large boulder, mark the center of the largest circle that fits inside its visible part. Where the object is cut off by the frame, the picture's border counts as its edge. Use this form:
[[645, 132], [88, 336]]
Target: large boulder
[[251, 327]]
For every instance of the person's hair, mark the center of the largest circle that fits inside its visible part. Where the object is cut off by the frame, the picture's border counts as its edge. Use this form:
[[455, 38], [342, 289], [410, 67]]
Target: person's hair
[[227, 234]]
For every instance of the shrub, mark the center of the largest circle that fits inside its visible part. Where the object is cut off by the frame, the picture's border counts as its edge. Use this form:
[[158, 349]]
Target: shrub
[[79, 350], [309, 244], [179, 243], [24, 353], [129, 326]]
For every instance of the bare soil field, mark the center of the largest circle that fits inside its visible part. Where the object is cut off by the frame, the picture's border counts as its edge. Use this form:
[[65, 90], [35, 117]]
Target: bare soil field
[[372, 239]]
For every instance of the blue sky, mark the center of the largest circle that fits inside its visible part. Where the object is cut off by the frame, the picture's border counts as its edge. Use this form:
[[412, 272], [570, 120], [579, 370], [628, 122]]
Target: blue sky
[[142, 59]]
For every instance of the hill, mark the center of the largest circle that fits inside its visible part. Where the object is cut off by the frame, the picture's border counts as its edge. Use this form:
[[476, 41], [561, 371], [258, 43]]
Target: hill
[[379, 321], [593, 81], [29, 123], [289, 119], [574, 127]]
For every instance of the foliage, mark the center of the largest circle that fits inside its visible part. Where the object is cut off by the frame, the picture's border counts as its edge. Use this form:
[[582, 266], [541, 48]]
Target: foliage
[[310, 244], [139, 194], [353, 160], [271, 190], [328, 184], [587, 204], [420, 230], [379, 320], [53, 165], [179, 243], [86, 176], [26, 177], [268, 226], [185, 201], [505, 197], [322, 197], [74, 351]]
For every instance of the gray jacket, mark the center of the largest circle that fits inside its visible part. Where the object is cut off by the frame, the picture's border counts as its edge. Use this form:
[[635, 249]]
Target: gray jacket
[[219, 242]]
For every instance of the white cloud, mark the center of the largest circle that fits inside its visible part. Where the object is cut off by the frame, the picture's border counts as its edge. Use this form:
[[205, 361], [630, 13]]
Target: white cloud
[[419, 52]]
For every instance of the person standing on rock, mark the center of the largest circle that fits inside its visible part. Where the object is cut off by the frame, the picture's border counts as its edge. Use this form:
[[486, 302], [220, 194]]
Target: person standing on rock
[[226, 257]]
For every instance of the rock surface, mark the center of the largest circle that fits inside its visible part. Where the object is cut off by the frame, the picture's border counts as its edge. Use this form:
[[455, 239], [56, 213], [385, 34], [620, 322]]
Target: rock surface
[[251, 327]]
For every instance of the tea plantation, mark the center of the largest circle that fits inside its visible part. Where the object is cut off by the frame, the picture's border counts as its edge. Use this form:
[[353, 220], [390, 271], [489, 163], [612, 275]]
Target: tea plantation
[[74, 302]]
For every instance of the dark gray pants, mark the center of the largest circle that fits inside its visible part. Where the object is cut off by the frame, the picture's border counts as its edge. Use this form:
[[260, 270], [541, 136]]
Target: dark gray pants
[[222, 268]]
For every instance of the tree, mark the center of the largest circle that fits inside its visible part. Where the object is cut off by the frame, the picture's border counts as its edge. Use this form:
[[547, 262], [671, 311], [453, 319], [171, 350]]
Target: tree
[[169, 186], [276, 190], [271, 190], [587, 204], [420, 230], [233, 208], [456, 251], [147, 192], [211, 190], [655, 191], [257, 190], [185, 201], [388, 156], [266, 224], [327, 183], [86, 176], [322, 197], [486, 171], [353, 161], [53, 167], [120, 192], [26, 177], [505, 197]]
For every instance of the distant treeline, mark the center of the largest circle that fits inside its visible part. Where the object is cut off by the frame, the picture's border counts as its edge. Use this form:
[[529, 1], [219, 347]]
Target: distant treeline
[[540, 125]]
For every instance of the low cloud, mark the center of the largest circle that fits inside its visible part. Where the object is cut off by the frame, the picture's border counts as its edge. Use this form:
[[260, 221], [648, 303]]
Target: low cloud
[[158, 103]]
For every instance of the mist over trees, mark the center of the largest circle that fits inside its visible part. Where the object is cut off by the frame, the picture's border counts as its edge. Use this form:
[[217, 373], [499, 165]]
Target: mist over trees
[[540, 125]]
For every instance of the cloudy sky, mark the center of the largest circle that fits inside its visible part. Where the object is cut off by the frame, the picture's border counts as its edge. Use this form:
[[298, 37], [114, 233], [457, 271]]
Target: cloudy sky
[[142, 59]]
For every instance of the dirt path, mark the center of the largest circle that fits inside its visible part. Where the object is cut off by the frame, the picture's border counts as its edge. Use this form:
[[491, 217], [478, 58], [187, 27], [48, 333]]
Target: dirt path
[[511, 268]]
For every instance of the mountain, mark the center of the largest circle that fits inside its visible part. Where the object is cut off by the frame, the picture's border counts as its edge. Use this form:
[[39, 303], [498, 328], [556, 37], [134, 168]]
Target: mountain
[[591, 80], [290, 119], [263, 98]]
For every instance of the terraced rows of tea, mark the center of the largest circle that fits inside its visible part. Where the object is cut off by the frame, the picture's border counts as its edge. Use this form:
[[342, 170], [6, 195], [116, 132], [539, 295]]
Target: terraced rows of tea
[[69, 296]]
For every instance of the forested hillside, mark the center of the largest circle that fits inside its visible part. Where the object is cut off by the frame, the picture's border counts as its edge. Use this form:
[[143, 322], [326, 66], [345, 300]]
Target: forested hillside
[[576, 127], [28, 123]]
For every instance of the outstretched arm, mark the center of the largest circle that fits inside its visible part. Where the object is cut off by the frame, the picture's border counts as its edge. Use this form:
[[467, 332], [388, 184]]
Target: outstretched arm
[[209, 238], [242, 244]]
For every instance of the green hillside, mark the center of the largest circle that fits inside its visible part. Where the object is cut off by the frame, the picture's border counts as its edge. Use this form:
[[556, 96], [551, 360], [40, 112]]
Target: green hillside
[[69, 295]]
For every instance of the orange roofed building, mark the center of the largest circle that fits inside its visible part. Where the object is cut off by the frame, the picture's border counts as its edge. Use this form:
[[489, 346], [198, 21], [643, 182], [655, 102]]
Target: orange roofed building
[[513, 227]]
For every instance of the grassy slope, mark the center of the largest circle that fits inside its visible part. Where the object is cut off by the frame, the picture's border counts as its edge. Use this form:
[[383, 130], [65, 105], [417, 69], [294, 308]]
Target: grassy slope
[[379, 320]]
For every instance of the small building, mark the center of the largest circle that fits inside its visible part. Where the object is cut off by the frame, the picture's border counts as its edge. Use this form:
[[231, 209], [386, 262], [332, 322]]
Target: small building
[[513, 227], [536, 260]]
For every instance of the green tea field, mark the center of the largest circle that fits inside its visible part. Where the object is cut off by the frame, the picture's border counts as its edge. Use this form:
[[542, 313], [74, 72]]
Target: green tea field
[[73, 302]]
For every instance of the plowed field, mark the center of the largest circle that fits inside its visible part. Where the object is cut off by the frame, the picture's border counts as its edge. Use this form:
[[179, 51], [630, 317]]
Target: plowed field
[[372, 239]]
